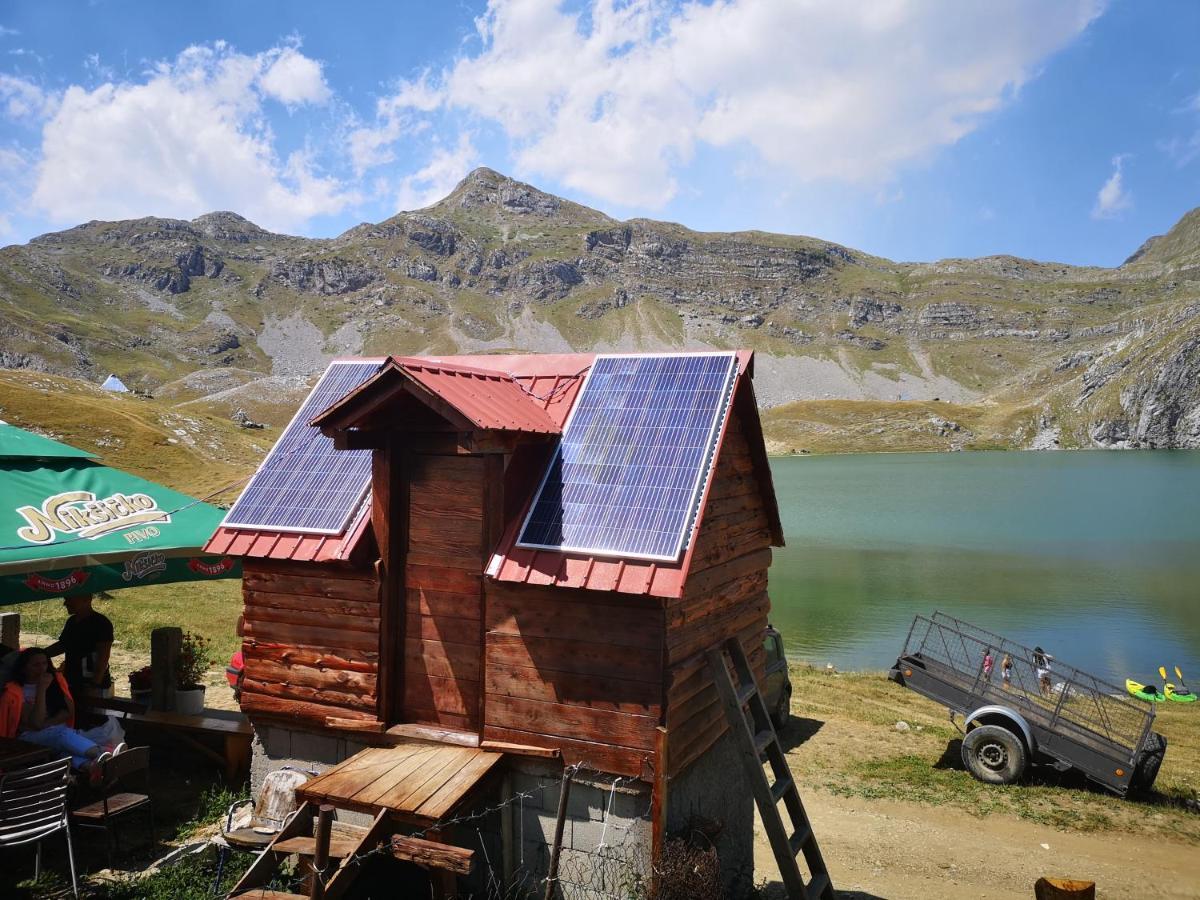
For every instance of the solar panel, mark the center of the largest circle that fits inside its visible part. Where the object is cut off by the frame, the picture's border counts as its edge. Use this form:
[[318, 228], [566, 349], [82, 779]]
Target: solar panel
[[627, 476], [304, 484]]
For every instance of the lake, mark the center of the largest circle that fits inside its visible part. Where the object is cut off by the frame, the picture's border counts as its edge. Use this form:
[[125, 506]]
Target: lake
[[1093, 555]]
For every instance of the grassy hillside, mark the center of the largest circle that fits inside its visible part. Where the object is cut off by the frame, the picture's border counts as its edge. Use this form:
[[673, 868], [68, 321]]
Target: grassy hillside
[[189, 451], [217, 314]]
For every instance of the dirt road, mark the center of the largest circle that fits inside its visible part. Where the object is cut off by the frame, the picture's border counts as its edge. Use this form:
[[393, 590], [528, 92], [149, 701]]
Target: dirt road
[[906, 850]]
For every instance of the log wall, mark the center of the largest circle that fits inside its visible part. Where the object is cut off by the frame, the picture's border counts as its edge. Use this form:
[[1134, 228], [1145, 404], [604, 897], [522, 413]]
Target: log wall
[[310, 640], [725, 595], [576, 670]]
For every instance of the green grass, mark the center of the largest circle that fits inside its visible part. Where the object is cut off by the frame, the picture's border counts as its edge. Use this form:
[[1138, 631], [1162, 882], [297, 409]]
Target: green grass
[[190, 879], [211, 809]]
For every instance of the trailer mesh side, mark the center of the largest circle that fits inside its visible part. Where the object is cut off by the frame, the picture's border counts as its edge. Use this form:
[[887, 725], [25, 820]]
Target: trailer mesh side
[[1075, 699]]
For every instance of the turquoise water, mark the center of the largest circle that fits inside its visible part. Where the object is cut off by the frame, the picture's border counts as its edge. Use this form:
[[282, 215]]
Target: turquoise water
[[1093, 555]]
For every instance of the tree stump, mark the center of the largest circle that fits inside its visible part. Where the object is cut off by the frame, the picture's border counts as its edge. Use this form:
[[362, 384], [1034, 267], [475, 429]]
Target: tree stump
[[1064, 889]]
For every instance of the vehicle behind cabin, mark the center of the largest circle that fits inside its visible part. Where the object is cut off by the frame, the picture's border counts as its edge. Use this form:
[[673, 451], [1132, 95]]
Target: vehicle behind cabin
[[1034, 710], [777, 683]]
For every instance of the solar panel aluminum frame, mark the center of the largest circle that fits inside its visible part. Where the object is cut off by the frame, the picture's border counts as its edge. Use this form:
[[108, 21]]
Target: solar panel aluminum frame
[[355, 508], [702, 475]]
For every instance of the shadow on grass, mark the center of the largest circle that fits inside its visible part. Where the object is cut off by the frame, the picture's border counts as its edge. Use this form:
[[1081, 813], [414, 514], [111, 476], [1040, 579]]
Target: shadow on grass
[[797, 731]]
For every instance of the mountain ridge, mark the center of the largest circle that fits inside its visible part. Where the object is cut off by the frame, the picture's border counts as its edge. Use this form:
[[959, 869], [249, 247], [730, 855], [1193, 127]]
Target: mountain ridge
[[499, 265]]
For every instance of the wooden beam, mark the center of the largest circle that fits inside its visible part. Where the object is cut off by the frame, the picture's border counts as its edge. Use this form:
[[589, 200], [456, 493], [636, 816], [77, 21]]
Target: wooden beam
[[389, 519], [433, 855], [521, 749], [357, 439]]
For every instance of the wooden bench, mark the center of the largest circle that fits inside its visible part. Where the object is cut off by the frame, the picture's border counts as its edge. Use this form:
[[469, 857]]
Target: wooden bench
[[230, 727]]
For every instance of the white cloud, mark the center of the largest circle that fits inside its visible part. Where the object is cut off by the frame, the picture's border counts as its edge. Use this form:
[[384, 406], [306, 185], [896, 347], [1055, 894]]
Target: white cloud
[[21, 99], [614, 99], [5, 32], [371, 146], [433, 182], [1182, 149], [294, 79], [1113, 197], [190, 138]]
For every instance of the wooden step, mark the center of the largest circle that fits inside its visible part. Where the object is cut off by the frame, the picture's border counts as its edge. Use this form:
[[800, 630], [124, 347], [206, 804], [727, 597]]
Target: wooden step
[[780, 788], [763, 740], [819, 886], [339, 847], [797, 840], [745, 694]]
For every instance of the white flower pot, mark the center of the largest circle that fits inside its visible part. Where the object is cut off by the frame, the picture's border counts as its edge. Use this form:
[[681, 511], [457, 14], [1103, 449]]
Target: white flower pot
[[189, 702]]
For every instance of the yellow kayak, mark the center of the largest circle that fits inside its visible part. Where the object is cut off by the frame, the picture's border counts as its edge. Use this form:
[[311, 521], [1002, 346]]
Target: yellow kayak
[[1173, 693], [1147, 692]]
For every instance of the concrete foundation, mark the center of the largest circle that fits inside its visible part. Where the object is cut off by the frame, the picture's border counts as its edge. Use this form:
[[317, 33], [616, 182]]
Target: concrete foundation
[[714, 789], [607, 840], [606, 837]]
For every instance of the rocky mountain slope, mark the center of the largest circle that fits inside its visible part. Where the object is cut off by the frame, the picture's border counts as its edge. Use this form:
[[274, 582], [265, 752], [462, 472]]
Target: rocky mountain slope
[[856, 352]]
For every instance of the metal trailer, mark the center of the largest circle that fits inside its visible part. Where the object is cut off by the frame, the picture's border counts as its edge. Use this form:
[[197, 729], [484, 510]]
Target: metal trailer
[[1079, 722]]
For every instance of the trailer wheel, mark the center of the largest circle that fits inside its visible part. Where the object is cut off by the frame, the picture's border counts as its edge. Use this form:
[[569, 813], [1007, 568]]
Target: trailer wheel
[[1148, 763], [994, 754]]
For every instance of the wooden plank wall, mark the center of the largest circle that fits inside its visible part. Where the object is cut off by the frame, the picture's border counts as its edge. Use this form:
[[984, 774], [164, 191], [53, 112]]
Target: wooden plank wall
[[725, 595], [310, 640], [444, 589], [576, 670]]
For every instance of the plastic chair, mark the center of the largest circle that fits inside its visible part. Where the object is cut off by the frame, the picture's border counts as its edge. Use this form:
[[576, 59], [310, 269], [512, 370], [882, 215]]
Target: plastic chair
[[33, 806], [114, 803], [276, 804]]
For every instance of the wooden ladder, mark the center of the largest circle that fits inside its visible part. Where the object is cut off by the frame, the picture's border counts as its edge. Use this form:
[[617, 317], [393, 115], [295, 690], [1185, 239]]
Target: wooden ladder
[[756, 737]]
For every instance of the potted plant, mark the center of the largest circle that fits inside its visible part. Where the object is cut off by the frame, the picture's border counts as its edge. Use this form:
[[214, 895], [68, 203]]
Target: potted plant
[[141, 683], [195, 657]]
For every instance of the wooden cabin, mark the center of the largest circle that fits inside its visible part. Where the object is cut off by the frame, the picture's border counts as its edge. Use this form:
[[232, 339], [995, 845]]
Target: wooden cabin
[[426, 619]]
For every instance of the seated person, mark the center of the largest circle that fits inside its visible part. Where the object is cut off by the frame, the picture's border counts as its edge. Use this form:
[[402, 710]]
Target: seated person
[[36, 706]]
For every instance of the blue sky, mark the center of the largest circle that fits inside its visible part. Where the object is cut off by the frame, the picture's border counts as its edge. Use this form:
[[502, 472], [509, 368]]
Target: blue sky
[[1055, 129]]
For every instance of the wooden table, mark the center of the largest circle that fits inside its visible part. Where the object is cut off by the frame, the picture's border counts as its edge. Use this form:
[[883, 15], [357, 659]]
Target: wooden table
[[17, 754], [229, 728]]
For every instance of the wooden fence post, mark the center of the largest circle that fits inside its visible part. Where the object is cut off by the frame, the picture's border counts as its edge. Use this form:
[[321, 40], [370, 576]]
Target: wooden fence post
[[559, 823], [10, 630], [321, 852], [165, 644]]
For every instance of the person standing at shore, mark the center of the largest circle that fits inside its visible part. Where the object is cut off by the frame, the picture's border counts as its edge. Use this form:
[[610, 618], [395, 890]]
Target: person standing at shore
[[1041, 662], [1006, 670], [989, 663]]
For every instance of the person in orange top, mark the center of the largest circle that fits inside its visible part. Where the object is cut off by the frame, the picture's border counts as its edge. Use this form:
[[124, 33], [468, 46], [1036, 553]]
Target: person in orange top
[[37, 707]]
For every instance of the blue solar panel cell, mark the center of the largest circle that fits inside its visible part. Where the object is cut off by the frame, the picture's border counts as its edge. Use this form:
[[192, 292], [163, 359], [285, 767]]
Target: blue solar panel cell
[[304, 484], [627, 476]]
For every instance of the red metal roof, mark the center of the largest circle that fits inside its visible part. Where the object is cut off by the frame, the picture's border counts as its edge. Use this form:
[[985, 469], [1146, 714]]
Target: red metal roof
[[486, 398], [531, 392], [283, 545]]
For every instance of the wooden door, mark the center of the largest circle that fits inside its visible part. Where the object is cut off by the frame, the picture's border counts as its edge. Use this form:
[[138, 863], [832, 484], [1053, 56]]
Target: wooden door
[[443, 647]]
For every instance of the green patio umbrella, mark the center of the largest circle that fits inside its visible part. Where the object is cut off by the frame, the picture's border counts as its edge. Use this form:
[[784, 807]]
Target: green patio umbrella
[[69, 525]]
